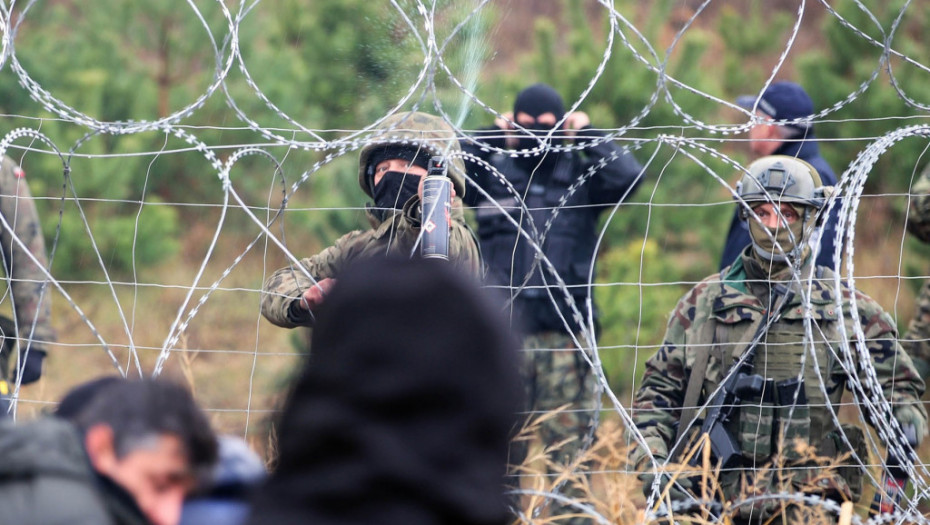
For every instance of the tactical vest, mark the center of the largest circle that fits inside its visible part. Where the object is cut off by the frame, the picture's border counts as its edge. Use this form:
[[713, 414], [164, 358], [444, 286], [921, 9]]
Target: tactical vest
[[767, 426], [569, 243]]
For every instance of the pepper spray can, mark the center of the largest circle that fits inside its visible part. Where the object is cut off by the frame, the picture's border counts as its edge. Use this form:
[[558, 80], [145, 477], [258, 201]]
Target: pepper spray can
[[436, 211]]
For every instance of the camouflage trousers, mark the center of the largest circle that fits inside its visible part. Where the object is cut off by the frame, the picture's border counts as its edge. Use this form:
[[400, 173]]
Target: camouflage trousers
[[560, 403]]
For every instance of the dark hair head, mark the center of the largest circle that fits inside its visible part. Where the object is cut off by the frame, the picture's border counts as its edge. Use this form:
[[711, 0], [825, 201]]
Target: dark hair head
[[79, 397], [138, 409], [406, 405]]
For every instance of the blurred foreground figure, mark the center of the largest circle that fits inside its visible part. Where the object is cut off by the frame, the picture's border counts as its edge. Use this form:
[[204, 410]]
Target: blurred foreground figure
[[404, 412], [125, 452], [391, 167], [224, 497], [740, 342]]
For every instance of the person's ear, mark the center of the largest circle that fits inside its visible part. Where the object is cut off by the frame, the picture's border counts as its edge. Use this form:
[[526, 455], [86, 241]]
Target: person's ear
[[101, 448], [773, 132]]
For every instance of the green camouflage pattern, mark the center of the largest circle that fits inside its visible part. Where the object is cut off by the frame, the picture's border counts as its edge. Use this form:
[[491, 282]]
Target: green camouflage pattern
[[397, 233], [916, 340], [416, 129], [918, 216], [30, 290], [560, 388], [715, 316], [556, 376]]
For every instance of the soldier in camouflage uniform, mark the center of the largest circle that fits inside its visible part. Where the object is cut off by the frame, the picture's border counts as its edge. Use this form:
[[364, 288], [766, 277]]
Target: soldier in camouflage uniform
[[712, 326], [31, 297], [916, 340], [390, 170]]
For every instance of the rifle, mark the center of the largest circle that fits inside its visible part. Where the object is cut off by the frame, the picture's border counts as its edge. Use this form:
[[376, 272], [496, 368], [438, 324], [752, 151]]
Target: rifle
[[724, 448], [894, 478], [740, 383]]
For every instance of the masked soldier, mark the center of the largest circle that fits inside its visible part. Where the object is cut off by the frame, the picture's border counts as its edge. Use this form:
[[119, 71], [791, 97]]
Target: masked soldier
[[31, 296], [752, 319], [390, 171], [565, 193]]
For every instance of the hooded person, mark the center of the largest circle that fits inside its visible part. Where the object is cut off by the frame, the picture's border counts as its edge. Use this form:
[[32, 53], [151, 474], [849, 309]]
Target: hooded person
[[391, 166], [403, 415], [538, 198]]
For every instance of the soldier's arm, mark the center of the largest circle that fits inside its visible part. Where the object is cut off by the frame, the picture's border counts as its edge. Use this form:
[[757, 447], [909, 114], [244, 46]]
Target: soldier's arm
[[463, 248], [30, 289], [463, 245], [657, 404], [282, 291], [918, 217], [617, 173], [900, 381], [916, 340]]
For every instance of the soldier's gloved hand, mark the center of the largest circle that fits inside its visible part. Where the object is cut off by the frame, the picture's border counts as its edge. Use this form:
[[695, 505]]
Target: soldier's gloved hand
[[32, 367], [911, 414], [674, 489]]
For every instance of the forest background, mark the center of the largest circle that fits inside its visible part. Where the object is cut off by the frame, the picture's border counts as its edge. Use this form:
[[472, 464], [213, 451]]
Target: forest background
[[151, 204]]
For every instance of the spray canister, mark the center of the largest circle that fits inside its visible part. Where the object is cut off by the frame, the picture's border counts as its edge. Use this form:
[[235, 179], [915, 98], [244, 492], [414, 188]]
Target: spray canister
[[436, 211]]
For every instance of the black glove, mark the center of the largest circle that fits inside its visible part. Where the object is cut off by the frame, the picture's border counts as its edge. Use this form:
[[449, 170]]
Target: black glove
[[32, 367]]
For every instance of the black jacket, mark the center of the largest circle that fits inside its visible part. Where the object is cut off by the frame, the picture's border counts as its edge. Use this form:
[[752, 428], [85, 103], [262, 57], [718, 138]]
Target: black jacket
[[565, 193]]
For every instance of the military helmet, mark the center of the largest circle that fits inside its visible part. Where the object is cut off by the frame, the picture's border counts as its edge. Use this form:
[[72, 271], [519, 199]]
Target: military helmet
[[418, 130], [780, 179]]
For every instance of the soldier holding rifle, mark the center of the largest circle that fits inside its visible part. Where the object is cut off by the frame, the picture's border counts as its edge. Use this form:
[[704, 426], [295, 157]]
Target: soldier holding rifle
[[740, 340]]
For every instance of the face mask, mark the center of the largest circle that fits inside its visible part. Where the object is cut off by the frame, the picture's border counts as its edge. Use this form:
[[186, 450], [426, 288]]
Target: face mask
[[782, 242], [395, 189]]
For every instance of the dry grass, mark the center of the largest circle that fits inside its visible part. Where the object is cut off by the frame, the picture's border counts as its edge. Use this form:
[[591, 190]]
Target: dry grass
[[603, 480]]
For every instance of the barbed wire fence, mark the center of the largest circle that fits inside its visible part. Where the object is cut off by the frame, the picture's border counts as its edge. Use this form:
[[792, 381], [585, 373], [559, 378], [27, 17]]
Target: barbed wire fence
[[209, 286]]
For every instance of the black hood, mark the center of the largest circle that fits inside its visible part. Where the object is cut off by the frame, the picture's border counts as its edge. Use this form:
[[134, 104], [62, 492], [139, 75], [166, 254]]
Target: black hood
[[404, 412], [538, 99]]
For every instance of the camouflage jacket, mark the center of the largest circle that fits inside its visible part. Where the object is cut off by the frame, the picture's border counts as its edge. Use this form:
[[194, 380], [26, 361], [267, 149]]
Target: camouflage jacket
[[718, 315], [397, 233], [31, 293], [918, 217], [916, 340]]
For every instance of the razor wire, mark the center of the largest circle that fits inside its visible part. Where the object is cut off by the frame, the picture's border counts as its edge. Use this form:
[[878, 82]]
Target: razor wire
[[420, 19]]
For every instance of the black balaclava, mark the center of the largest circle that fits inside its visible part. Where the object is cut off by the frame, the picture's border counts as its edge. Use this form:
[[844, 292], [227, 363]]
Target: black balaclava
[[534, 101], [395, 187], [404, 411]]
